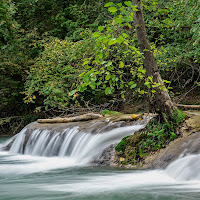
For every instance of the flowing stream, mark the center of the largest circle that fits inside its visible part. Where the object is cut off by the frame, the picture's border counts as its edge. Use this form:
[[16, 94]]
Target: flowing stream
[[55, 166]]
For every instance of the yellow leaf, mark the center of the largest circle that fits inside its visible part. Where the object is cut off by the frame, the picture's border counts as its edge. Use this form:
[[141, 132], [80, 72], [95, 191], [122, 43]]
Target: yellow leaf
[[122, 159], [134, 116], [121, 65]]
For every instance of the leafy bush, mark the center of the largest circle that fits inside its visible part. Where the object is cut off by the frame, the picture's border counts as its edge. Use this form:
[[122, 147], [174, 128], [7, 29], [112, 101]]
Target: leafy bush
[[116, 64], [56, 71]]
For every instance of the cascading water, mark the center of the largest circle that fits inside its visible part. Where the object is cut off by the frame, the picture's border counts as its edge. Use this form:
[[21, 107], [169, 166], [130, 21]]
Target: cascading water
[[71, 142], [50, 163]]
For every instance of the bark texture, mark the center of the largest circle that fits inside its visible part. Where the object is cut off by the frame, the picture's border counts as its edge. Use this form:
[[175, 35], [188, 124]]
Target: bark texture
[[85, 117], [161, 102]]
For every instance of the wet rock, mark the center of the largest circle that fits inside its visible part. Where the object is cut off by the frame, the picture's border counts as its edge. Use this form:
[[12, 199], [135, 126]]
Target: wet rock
[[106, 157], [176, 149]]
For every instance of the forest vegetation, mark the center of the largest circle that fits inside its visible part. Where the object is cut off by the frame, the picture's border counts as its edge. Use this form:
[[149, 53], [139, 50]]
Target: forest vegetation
[[66, 57]]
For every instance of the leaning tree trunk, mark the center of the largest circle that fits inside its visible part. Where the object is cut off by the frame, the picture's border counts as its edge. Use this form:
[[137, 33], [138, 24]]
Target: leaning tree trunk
[[161, 102]]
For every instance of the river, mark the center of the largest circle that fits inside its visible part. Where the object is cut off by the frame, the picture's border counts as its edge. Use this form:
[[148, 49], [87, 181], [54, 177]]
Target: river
[[55, 178]]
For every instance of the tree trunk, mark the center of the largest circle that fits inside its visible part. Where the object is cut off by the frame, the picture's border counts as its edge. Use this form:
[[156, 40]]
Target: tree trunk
[[161, 102]]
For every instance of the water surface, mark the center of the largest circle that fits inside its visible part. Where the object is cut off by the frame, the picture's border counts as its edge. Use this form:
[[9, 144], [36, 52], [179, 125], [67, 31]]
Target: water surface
[[30, 177]]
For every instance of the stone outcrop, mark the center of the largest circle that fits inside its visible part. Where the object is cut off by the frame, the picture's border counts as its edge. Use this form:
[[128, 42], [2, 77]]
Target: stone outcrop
[[176, 149]]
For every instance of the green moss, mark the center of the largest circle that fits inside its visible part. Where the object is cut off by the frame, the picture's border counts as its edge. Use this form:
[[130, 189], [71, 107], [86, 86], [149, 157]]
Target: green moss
[[108, 112], [122, 145]]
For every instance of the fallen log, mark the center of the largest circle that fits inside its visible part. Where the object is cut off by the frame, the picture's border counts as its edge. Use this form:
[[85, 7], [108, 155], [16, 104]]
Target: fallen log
[[193, 107], [85, 117]]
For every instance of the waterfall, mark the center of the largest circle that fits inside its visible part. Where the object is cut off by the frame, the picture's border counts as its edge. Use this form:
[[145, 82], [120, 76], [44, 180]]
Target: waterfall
[[70, 142], [185, 169], [39, 148]]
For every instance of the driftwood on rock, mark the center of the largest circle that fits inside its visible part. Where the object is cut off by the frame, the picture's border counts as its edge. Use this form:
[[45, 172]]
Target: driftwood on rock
[[193, 107], [85, 117]]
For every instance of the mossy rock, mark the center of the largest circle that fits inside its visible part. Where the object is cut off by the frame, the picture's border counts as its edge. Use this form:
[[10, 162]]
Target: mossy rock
[[108, 112], [154, 136]]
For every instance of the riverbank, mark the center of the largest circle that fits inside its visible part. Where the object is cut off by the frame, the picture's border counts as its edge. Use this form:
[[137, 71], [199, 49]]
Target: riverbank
[[188, 142]]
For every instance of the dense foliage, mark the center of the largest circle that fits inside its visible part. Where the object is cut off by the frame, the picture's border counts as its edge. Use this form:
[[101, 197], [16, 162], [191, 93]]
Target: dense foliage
[[57, 54], [175, 28]]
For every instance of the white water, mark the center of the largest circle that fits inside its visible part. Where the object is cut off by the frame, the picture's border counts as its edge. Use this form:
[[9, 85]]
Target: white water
[[25, 175], [57, 164], [185, 169], [78, 146]]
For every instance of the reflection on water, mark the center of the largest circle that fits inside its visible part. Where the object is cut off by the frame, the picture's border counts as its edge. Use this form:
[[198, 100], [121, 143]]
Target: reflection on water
[[4, 138]]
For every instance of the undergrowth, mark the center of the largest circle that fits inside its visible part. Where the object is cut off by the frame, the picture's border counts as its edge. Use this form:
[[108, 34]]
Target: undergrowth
[[156, 135]]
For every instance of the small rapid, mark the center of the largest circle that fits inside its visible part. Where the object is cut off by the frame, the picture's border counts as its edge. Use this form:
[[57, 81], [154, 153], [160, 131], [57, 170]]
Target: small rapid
[[55, 164], [71, 143]]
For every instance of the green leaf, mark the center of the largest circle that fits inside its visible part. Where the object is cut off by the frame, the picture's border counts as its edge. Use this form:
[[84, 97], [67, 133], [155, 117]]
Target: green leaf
[[151, 79], [72, 92], [82, 74], [107, 77], [118, 20], [92, 85], [166, 81], [125, 35], [128, 25], [86, 62], [105, 40], [134, 8], [79, 88], [86, 78], [133, 85], [121, 64], [82, 89], [122, 9], [111, 42], [112, 9], [128, 3], [108, 91], [127, 19], [120, 39], [93, 78], [142, 92], [96, 34], [108, 64], [100, 28], [147, 83], [119, 4], [108, 4], [87, 67], [109, 68]]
